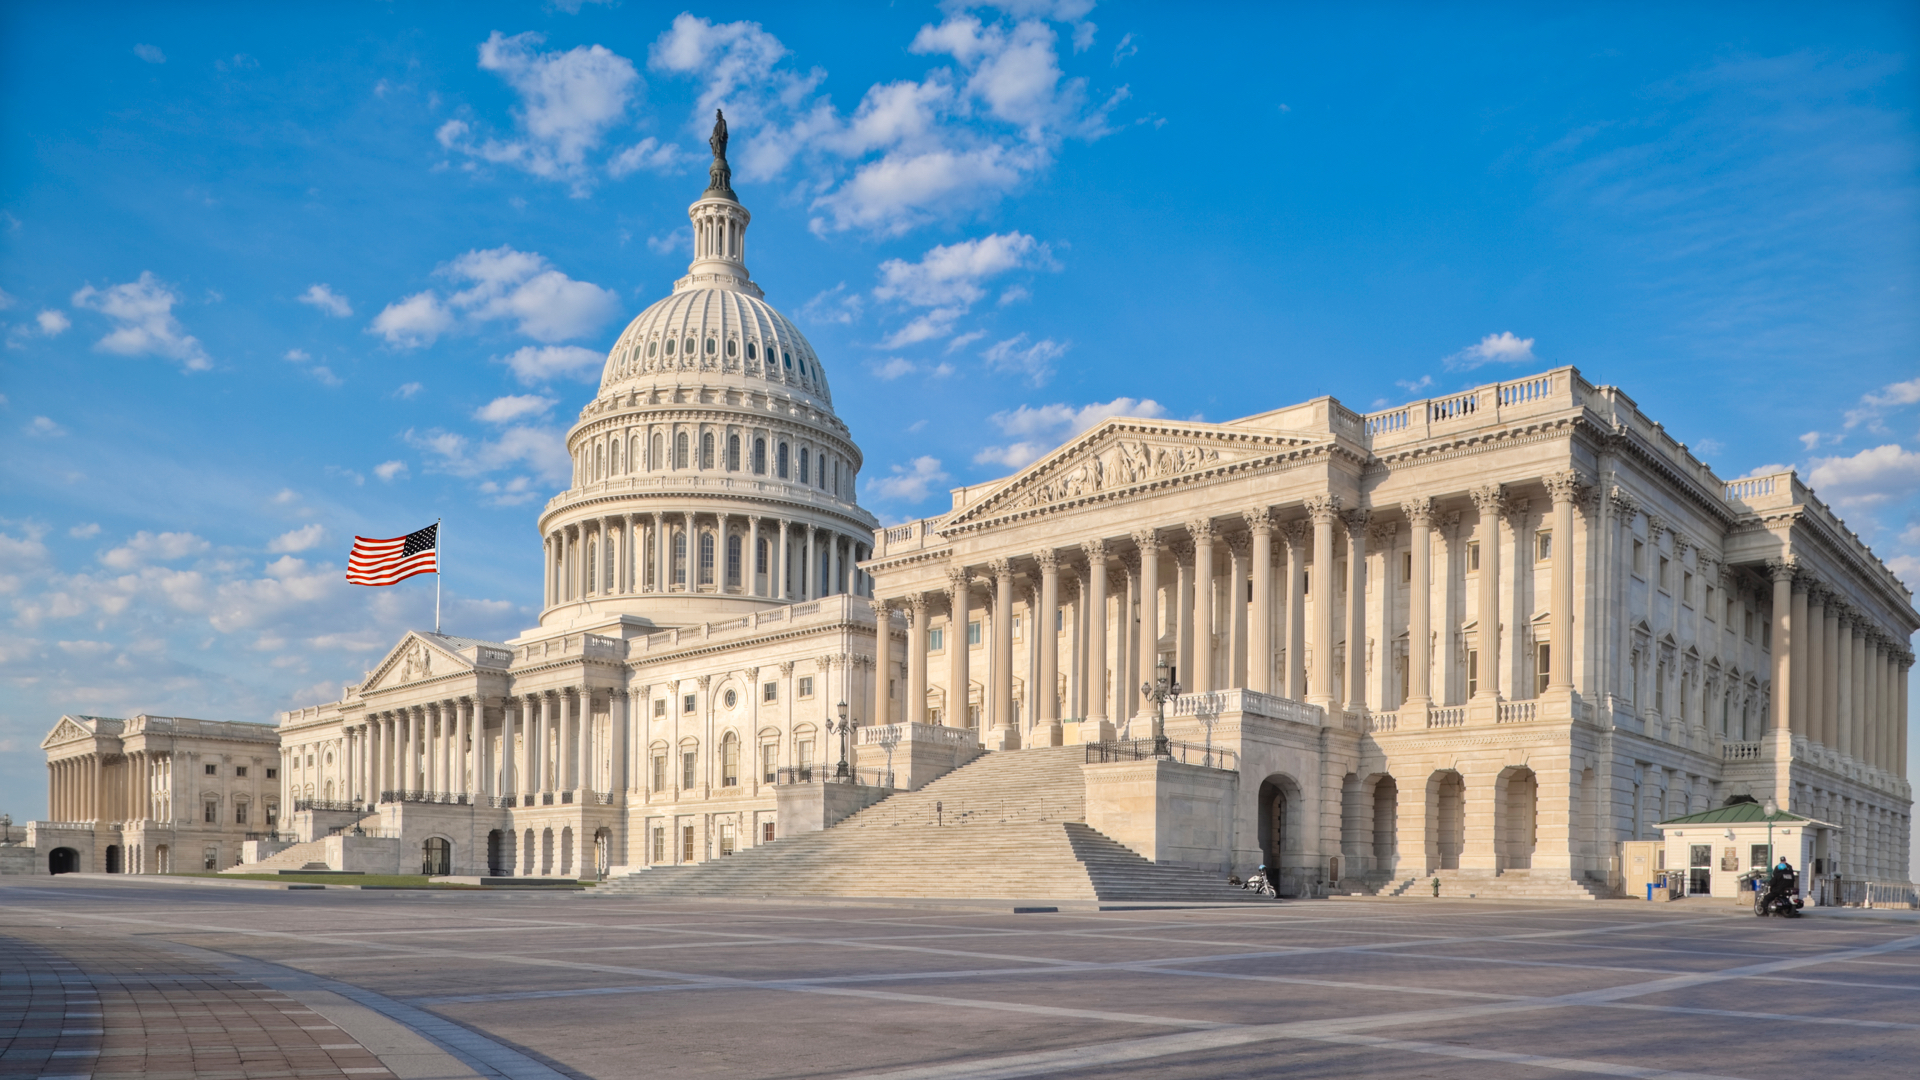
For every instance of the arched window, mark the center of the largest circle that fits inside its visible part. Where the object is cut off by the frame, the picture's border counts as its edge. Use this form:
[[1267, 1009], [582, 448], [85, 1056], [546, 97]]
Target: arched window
[[733, 347], [669, 346], [613, 458], [706, 558], [733, 453], [803, 465], [710, 346], [730, 760], [633, 454], [652, 348], [836, 478], [780, 462], [680, 451], [706, 450], [733, 560], [592, 563], [680, 559], [752, 353], [659, 459], [760, 457]]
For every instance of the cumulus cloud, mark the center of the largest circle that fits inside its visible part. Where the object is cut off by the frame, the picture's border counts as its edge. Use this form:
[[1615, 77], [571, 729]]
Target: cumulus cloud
[[541, 451], [897, 366], [650, 155], [1878, 475], [568, 102], [1500, 348], [146, 547], [1038, 429], [533, 365], [912, 150], [1032, 359], [150, 53], [390, 470], [44, 427], [84, 532], [910, 482], [52, 323], [948, 280], [323, 297], [503, 410], [297, 540], [141, 312], [501, 284], [1873, 407]]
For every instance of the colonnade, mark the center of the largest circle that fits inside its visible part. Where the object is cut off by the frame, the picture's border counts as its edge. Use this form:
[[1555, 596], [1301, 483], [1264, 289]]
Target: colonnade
[[546, 744], [85, 788], [666, 552], [1844, 679], [1223, 610]]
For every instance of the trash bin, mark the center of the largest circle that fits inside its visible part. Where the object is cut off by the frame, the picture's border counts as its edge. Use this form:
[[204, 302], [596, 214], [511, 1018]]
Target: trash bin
[[1651, 885]]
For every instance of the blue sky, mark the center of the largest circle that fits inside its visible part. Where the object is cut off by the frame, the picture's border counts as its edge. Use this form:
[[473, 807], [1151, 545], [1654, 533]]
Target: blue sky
[[274, 278]]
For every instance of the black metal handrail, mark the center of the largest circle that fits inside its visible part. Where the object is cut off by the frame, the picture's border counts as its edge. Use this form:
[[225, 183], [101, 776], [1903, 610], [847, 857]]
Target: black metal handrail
[[326, 804], [450, 798], [816, 774], [1207, 757]]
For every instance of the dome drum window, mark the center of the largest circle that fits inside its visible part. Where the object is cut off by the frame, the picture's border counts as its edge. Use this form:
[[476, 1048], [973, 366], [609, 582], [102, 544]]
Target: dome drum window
[[669, 346], [752, 352], [690, 347], [712, 346], [733, 347], [652, 348]]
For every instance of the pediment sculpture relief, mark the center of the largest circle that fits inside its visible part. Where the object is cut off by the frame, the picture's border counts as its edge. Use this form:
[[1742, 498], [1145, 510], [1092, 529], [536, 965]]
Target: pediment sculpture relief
[[1122, 463]]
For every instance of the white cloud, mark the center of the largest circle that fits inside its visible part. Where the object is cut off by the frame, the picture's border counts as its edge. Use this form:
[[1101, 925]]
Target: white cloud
[[538, 364], [503, 410], [324, 298], [1032, 359], [948, 280], [649, 154], [541, 450], [1871, 476], [1415, 386], [406, 391], [1877, 404], [895, 367], [912, 150], [146, 547], [84, 532], [296, 356], [1810, 440], [44, 427], [52, 323], [1500, 348], [285, 496], [679, 240], [501, 284], [835, 305], [1125, 49], [390, 470], [568, 102], [910, 482], [142, 314], [298, 540], [1037, 430], [150, 53]]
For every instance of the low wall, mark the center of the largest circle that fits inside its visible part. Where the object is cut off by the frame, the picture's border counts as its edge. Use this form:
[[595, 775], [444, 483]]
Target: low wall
[[370, 855], [1171, 813], [805, 808]]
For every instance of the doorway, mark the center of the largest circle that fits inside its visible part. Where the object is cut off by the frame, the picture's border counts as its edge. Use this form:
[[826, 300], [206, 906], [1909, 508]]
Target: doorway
[[436, 857], [113, 858], [499, 854], [63, 860]]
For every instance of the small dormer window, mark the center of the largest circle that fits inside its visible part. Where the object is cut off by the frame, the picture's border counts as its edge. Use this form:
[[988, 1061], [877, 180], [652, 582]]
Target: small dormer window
[[787, 358], [711, 346], [653, 347], [669, 346], [732, 347], [752, 352], [690, 347]]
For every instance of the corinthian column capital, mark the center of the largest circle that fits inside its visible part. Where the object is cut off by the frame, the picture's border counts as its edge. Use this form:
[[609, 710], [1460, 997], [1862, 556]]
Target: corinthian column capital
[[1419, 511], [1323, 508]]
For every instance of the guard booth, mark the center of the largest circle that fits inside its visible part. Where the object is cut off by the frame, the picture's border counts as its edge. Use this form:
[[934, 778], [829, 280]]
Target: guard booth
[[1642, 862], [1715, 847]]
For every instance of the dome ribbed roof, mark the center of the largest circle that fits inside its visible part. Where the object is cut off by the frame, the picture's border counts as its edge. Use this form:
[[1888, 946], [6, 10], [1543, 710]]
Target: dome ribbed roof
[[736, 338]]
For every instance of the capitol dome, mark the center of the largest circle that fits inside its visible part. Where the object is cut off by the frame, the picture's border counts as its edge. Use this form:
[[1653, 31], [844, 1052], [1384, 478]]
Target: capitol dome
[[711, 476]]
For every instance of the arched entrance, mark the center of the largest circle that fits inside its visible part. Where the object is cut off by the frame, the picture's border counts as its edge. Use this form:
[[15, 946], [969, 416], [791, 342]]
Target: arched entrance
[[63, 860], [602, 852], [1279, 833], [436, 857], [1517, 796], [1386, 822], [113, 859], [499, 854], [1447, 818], [163, 859]]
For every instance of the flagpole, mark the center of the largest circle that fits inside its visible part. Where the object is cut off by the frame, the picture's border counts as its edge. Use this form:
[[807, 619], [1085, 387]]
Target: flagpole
[[439, 552]]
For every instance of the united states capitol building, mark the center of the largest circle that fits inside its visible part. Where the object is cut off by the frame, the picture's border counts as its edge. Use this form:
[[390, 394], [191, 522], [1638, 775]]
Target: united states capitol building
[[1493, 637]]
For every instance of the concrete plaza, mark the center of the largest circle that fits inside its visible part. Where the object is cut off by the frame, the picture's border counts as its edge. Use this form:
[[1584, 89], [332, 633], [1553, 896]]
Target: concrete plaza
[[108, 978]]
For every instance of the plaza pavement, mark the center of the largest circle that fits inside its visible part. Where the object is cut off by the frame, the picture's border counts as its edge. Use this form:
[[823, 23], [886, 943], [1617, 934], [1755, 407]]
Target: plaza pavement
[[111, 978]]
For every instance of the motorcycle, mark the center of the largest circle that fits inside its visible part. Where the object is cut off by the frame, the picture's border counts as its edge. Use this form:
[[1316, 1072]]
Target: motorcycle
[[1776, 898]]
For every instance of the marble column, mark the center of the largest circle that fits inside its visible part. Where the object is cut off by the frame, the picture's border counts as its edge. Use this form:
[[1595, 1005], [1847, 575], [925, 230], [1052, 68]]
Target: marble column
[[585, 778], [463, 738], [958, 677], [1492, 503], [1294, 683], [1148, 541], [1419, 513], [511, 715], [1006, 732], [881, 710], [1180, 611], [1046, 675], [1782, 698], [1260, 619], [1320, 688], [1356, 673], [752, 559], [1099, 719], [810, 580], [1816, 635], [1199, 648], [914, 708], [1126, 674], [1797, 659], [1235, 656], [1563, 489], [785, 591], [1870, 714], [1841, 667]]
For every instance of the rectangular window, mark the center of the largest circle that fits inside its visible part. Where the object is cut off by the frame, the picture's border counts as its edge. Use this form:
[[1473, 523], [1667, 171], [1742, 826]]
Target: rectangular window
[[806, 686], [1706, 601], [1699, 855], [659, 772], [1666, 564], [891, 695], [214, 770], [1766, 633], [1542, 661], [660, 706], [726, 839], [1640, 558], [240, 813], [1543, 547], [1749, 630], [769, 763], [1016, 628], [936, 639], [766, 830], [212, 815], [1473, 555], [730, 763], [1406, 568], [689, 770], [689, 702], [1473, 672], [1660, 688], [210, 858], [803, 753], [1059, 620], [273, 773], [659, 844], [686, 843], [239, 770], [770, 692], [1686, 587], [973, 632], [1757, 857]]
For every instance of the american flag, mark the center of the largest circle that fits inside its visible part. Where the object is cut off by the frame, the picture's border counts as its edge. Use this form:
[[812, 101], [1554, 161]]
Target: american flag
[[383, 562]]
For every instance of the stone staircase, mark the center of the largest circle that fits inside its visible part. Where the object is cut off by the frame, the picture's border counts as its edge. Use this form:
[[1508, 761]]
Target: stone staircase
[[1008, 825], [1506, 885], [311, 855]]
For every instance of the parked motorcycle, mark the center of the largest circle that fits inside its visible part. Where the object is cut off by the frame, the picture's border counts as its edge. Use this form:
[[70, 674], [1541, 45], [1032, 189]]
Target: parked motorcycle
[[1775, 894]]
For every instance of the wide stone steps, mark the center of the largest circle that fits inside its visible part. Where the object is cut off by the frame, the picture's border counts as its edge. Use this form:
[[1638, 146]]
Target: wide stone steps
[[311, 855], [1487, 885], [1009, 825]]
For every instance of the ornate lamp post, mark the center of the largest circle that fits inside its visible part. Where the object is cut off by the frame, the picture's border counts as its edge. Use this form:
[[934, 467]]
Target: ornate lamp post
[[845, 731], [1159, 691]]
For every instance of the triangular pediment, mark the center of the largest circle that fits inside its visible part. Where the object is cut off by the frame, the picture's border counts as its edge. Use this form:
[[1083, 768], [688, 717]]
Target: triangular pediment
[[66, 731], [1121, 456], [417, 658]]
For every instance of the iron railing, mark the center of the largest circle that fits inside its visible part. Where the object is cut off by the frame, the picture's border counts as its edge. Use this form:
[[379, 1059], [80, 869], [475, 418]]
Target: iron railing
[[817, 774], [1207, 757], [271, 836], [328, 804], [450, 798], [361, 831]]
